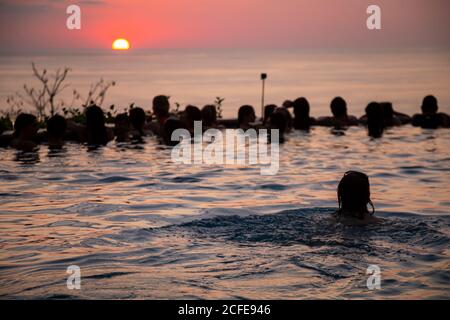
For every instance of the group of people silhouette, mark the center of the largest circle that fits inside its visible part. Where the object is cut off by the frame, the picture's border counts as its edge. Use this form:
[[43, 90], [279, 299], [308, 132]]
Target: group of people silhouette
[[353, 190], [133, 125]]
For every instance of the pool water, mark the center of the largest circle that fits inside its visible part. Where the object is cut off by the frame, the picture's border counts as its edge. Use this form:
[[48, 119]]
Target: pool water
[[140, 226]]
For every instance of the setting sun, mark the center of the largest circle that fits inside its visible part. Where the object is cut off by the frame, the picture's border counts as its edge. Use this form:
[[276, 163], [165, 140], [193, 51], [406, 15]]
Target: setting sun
[[121, 44]]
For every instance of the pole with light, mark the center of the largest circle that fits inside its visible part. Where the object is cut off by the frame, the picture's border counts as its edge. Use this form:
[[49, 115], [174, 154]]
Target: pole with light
[[263, 79]]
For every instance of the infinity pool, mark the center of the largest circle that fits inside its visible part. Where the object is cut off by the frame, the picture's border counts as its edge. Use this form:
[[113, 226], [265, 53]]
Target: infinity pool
[[140, 226]]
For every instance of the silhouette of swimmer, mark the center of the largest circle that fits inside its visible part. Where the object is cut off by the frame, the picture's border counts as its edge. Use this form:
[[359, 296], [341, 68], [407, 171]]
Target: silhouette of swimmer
[[189, 115], [375, 119], [122, 127], [430, 118], [56, 130], [390, 116], [288, 117], [137, 120], [246, 116], [340, 117], [209, 117], [25, 132], [268, 111], [278, 121], [161, 108], [353, 197], [96, 131], [169, 127], [302, 120]]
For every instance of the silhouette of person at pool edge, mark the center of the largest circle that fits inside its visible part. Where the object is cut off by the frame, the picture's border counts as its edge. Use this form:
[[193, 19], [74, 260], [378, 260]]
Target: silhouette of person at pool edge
[[375, 119], [25, 132], [122, 127], [137, 120], [56, 129], [340, 118], [430, 118], [189, 116], [353, 194], [209, 117], [97, 133], [161, 107], [302, 120], [246, 116]]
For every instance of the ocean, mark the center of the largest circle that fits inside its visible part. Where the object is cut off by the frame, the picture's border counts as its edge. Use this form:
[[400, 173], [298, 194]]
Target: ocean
[[197, 77]]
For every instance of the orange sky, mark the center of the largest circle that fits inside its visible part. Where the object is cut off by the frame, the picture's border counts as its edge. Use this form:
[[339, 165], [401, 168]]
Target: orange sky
[[40, 24]]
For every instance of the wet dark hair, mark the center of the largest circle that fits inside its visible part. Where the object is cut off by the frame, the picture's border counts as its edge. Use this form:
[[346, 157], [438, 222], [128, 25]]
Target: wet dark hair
[[287, 115], [209, 115], [161, 106], [245, 111], [338, 107], [429, 104], [354, 195], [23, 120], [95, 125], [388, 110], [279, 121], [375, 119], [301, 113], [94, 117], [193, 113], [56, 126], [137, 118]]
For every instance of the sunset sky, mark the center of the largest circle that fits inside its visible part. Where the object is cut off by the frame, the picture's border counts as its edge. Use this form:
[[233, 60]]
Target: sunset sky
[[41, 24]]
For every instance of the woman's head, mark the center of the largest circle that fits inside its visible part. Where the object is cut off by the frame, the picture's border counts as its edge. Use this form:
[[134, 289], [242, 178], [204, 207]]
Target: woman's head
[[246, 115], [209, 115], [25, 126], [388, 110], [95, 125], [190, 115], [161, 106], [302, 121], [354, 194], [278, 121], [137, 119], [95, 117], [375, 119], [301, 108], [56, 127], [339, 107]]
